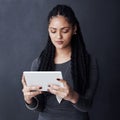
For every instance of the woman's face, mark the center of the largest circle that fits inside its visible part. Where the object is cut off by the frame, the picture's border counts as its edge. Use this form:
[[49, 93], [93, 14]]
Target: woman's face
[[60, 31]]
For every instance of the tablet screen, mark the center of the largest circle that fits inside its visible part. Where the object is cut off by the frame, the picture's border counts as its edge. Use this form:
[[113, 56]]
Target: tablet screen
[[42, 78]]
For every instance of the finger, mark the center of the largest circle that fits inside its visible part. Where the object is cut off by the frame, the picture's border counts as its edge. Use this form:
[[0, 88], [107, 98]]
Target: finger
[[32, 88], [56, 87], [57, 93], [32, 94], [62, 81], [35, 88], [52, 91]]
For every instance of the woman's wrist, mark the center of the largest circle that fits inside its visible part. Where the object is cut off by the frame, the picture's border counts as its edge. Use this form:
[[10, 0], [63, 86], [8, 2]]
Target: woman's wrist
[[29, 101], [75, 97], [33, 105]]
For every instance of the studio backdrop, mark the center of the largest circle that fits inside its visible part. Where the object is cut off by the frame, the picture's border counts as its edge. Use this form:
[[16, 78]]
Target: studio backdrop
[[23, 34]]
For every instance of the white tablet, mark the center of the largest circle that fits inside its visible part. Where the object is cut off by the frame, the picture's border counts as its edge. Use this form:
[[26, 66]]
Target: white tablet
[[42, 78]]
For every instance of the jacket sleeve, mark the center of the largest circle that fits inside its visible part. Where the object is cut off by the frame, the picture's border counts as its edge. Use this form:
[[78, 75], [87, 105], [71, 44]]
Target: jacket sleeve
[[38, 101], [85, 102]]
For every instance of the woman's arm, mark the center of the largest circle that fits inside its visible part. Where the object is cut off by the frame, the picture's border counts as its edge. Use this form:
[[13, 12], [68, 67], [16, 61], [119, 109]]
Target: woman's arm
[[37, 101]]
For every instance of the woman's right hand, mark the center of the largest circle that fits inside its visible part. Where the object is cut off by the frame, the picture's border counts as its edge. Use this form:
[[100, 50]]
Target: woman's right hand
[[30, 91]]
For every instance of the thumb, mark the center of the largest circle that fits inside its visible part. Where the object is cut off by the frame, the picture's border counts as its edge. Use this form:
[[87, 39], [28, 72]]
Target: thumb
[[23, 81]]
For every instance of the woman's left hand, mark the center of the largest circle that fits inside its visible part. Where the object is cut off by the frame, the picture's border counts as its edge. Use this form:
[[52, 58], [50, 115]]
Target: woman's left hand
[[65, 92]]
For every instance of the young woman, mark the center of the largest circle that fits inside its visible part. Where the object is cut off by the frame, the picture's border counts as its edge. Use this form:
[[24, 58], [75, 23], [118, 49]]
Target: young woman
[[65, 51]]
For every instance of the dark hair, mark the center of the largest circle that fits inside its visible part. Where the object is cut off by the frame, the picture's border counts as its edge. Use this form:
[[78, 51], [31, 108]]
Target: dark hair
[[79, 58]]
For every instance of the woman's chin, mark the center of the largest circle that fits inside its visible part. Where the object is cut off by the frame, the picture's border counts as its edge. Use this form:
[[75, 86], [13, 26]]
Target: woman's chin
[[59, 46]]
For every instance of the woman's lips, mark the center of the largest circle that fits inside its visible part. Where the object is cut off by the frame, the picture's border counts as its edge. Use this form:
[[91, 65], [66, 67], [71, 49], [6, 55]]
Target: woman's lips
[[59, 42]]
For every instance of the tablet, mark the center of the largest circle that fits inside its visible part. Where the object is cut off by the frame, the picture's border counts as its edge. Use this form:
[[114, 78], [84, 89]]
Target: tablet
[[42, 78]]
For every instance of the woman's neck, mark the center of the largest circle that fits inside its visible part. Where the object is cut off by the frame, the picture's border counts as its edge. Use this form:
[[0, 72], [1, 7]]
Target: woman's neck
[[62, 55]]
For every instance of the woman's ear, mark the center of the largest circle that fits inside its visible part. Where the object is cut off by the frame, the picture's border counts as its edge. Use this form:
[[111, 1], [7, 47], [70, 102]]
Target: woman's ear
[[75, 30]]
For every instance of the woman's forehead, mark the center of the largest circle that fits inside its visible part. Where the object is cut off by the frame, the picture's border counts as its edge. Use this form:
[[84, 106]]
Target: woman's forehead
[[59, 21]]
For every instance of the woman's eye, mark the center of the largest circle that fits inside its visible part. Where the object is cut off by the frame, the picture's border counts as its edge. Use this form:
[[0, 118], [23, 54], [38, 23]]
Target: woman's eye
[[53, 31], [65, 31]]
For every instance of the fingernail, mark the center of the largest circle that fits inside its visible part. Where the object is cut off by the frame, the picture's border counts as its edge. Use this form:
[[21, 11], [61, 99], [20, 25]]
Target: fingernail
[[58, 79], [48, 85], [40, 87]]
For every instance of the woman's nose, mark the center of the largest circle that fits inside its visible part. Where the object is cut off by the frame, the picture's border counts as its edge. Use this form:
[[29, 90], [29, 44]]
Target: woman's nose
[[59, 35]]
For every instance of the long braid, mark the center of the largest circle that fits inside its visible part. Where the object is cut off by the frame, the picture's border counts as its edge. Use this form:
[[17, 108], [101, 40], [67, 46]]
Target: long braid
[[80, 62], [47, 57]]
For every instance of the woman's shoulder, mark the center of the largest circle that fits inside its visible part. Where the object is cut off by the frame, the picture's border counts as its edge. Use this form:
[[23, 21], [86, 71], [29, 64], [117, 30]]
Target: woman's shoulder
[[35, 64]]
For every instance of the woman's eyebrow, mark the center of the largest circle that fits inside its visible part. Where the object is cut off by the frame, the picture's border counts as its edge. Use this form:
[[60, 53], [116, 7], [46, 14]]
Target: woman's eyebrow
[[65, 27], [52, 28], [60, 28]]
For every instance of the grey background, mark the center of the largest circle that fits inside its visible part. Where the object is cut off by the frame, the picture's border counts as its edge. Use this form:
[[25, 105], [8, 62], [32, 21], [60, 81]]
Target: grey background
[[23, 34]]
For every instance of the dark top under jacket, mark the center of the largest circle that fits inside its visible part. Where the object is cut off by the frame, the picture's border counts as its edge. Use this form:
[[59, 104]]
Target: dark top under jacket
[[48, 106]]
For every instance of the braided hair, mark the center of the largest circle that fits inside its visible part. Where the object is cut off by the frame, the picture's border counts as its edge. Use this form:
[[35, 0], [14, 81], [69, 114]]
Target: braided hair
[[80, 58]]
